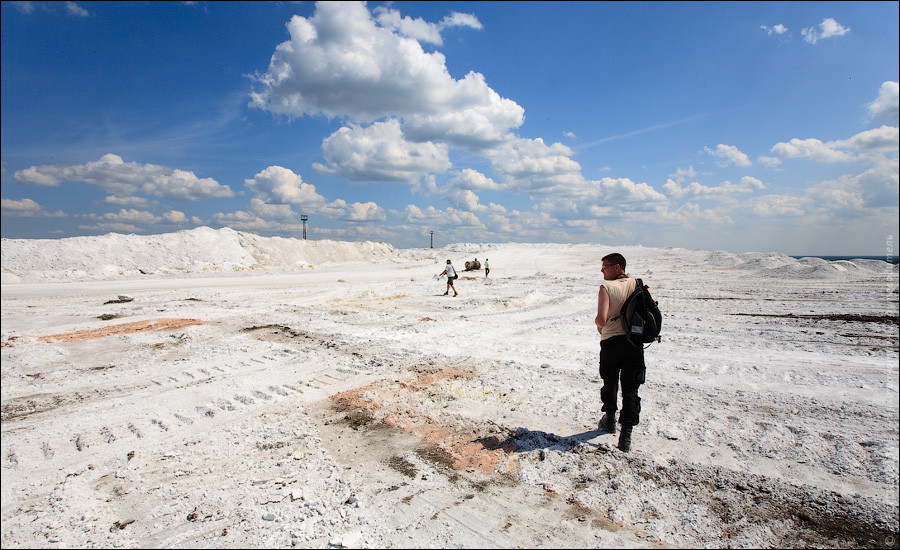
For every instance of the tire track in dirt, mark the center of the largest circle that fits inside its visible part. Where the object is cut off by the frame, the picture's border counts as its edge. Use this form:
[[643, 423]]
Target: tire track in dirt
[[108, 446], [198, 396]]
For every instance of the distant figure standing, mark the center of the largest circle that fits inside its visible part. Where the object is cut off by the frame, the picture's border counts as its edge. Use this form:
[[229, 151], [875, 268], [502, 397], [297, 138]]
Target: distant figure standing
[[451, 276], [619, 359], [487, 268]]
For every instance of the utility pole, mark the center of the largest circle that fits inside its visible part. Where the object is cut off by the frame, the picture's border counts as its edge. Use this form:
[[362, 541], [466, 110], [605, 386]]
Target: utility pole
[[432, 239], [303, 218]]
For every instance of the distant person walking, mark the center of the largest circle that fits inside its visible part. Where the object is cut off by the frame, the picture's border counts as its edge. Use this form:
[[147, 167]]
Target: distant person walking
[[451, 276], [620, 361], [487, 268]]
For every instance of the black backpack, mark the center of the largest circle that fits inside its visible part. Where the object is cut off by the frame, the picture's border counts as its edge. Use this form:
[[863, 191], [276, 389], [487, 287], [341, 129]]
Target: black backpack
[[640, 316]]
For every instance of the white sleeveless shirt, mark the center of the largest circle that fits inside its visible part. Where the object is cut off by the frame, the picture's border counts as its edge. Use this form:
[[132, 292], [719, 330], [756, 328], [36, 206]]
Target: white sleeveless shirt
[[619, 290]]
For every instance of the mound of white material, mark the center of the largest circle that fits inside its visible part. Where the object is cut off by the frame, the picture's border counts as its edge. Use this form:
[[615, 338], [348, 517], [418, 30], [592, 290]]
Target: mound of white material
[[114, 256], [282, 252], [204, 250]]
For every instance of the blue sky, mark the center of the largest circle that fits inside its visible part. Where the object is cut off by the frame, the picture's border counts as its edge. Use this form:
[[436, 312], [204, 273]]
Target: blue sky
[[721, 126]]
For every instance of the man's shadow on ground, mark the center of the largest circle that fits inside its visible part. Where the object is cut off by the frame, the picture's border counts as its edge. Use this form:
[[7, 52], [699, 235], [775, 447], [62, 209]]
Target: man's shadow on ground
[[522, 440]]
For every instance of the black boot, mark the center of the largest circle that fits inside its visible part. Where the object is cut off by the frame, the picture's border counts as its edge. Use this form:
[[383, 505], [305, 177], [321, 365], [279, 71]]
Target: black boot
[[625, 438], [608, 423]]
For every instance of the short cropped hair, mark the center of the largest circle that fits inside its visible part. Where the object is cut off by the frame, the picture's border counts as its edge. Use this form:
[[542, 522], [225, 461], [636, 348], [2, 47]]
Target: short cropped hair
[[616, 259]]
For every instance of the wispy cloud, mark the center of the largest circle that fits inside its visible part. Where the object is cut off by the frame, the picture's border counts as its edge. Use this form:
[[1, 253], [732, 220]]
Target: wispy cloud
[[642, 131], [828, 28], [748, 184], [777, 30], [74, 9], [420, 29], [71, 8]]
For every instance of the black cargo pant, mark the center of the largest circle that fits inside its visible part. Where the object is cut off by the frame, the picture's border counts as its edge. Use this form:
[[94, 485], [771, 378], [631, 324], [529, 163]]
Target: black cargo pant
[[622, 361]]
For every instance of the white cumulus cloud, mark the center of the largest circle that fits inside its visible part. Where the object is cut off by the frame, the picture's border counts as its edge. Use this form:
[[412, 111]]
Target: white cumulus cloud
[[625, 190], [748, 184], [279, 189], [421, 29], [811, 148], [175, 216], [464, 199], [362, 212], [380, 153], [683, 174], [778, 29], [887, 105], [129, 215], [432, 217], [341, 63], [690, 215], [531, 165], [27, 208], [112, 174], [871, 144], [876, 187], [280, 185], [775, 206], [729, 155], [885, 139], [828, 28], [473, 179]]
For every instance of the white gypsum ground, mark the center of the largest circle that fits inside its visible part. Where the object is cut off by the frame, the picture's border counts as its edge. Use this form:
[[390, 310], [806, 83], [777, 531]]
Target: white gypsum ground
[[244, 391]]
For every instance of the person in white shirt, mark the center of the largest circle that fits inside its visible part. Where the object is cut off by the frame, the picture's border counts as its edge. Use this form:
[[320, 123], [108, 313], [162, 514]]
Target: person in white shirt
[[619, 359], [450, 272]]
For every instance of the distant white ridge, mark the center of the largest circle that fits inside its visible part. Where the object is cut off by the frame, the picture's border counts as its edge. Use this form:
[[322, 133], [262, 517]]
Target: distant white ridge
[[203, 249]]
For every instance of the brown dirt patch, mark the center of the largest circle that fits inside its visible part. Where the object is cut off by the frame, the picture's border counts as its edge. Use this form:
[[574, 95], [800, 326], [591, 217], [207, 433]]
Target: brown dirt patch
[[126, 328], [464, 447]]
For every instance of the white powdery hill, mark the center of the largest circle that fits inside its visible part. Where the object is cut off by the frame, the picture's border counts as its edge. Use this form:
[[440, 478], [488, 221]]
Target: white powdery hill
[[114, 256]]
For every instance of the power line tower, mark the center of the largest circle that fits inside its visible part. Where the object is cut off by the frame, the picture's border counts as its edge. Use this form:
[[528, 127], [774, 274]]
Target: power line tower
[[303, 218]]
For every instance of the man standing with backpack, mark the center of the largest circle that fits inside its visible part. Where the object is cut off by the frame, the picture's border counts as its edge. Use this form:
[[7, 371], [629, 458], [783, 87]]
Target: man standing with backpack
[[620, 360]]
